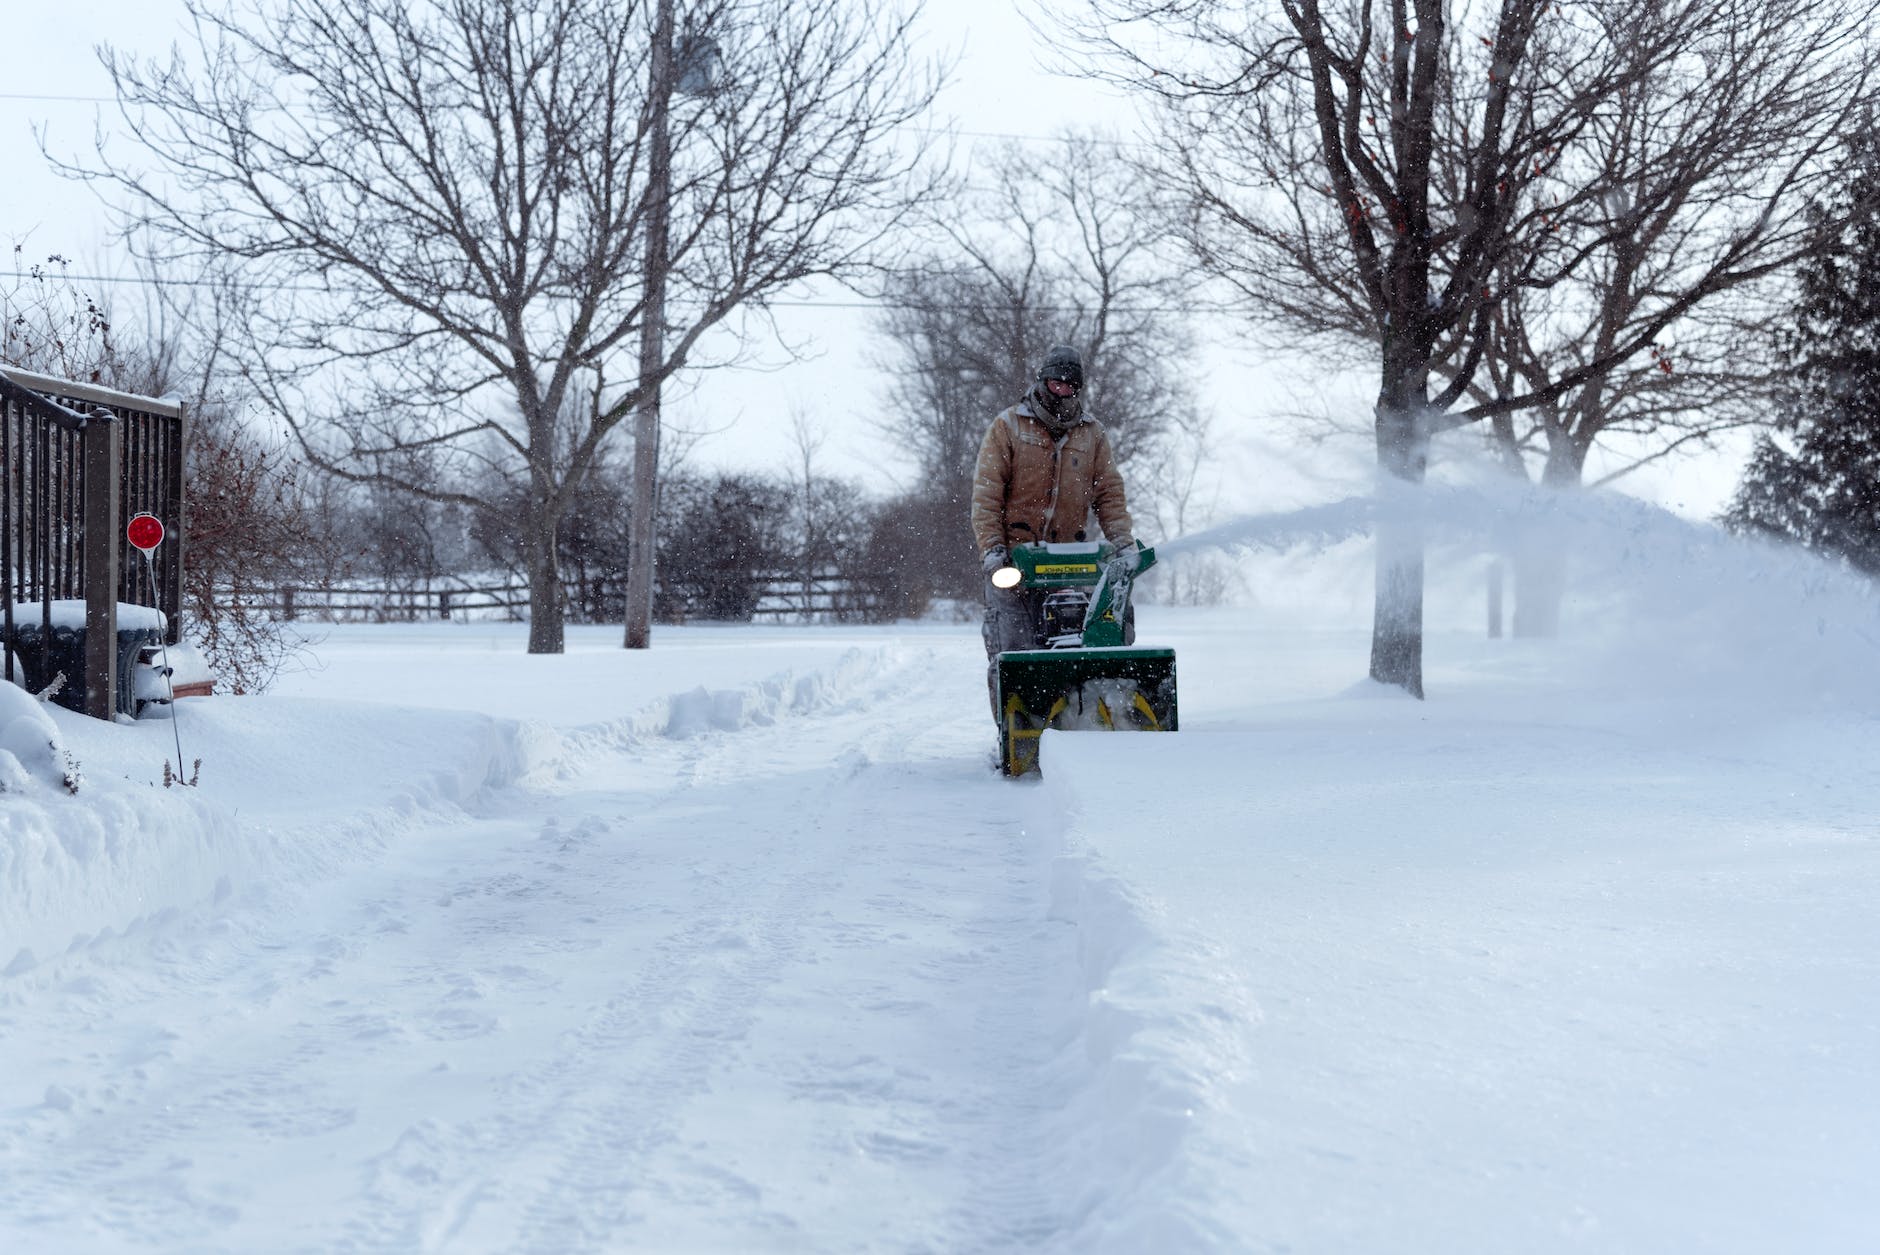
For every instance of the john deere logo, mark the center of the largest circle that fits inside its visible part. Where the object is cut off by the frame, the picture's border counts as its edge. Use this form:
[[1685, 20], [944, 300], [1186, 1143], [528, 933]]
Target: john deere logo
[[1067, 568]]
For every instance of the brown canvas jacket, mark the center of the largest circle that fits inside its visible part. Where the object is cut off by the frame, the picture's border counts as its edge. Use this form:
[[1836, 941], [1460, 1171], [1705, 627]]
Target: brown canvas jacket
[[1032, 486]]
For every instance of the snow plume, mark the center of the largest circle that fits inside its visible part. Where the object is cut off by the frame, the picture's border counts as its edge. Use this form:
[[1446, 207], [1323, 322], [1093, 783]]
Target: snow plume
[[1317, 527], [1648, 597], [1301, 564], [1673, 605]]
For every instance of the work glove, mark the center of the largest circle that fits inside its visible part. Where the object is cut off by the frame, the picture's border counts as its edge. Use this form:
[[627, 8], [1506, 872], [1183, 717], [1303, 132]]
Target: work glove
[[996, 557]]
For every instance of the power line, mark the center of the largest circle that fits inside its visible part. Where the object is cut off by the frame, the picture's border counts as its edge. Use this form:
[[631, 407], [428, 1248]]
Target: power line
[[917, 130], [152, 281], [1028, 139], [95, 100]]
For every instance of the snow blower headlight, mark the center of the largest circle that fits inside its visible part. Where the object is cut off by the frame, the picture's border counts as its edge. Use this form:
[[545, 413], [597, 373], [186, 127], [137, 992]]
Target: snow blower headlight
[[1007, 577]]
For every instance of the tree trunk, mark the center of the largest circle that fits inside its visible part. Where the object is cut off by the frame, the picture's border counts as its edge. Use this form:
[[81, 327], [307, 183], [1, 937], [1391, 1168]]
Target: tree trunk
[[1497, 579], [1403, 441], [1540, 574], [1540, 584], [547, 614]]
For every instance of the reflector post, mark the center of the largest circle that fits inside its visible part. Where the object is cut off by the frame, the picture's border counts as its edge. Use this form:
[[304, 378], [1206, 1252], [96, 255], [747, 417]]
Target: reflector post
[[145, 532]]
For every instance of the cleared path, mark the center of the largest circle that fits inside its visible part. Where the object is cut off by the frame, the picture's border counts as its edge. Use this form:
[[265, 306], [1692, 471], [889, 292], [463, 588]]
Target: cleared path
[[789, 988]]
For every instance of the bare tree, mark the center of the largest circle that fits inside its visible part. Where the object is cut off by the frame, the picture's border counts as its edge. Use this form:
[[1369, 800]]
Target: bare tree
[[1053, 244], [1392, 174], [447, 209], [814, 555], [1710, 176], [828, 532]]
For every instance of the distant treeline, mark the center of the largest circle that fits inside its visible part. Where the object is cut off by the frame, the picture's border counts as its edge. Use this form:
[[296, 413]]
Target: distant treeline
[[729, 543]]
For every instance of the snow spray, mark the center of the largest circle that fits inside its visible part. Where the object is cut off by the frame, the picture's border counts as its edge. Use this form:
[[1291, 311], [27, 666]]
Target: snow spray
[[1661, 600]]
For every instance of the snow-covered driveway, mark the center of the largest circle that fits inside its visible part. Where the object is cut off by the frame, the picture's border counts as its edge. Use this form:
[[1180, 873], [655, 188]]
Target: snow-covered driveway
[[666, 993], [739, 945]]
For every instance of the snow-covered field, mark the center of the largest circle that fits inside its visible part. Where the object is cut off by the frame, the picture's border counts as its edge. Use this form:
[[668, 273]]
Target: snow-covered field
[[740, 945]]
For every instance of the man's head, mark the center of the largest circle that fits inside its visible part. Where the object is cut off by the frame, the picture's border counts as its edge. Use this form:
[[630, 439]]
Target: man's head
[[1061, 384]]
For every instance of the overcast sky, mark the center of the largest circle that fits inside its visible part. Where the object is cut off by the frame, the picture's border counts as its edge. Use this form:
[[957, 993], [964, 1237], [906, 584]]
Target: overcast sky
[[1003, 85]]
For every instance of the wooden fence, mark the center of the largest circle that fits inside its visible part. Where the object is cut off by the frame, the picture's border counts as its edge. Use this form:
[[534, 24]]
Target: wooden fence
[[781, 598]]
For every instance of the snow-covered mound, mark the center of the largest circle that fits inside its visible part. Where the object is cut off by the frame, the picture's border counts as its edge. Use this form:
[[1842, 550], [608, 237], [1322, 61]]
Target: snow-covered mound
[[280, 791], [82, 861], [1561, 958], [32, 754]]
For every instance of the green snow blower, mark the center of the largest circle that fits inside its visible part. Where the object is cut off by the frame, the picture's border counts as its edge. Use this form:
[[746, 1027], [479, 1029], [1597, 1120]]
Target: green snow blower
[[1088, 677]]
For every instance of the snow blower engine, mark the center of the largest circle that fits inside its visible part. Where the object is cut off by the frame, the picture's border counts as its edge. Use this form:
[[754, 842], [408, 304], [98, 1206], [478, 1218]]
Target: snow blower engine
[[1088, 677]]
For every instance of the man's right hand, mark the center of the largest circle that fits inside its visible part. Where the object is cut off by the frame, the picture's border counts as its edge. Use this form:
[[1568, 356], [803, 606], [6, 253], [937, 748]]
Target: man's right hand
[[996, 557]]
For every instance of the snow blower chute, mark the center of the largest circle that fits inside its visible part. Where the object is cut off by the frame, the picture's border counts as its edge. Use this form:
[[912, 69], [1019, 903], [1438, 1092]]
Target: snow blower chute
[[1086, 678]]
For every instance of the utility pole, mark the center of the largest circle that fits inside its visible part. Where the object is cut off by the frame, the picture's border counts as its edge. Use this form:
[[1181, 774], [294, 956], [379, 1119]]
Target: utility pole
[[640, 539]]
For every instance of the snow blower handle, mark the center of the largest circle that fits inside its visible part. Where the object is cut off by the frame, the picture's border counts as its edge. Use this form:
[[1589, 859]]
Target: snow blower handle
[[1063, 565], [1123, 564], [1109, 601]]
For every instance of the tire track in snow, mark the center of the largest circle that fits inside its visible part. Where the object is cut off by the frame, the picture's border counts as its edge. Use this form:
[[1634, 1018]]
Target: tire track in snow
[[624, 1165], [170, 1087]]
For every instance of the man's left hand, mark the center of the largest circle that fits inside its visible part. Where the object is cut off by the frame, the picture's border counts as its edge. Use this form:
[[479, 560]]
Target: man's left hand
[[1123, 562]]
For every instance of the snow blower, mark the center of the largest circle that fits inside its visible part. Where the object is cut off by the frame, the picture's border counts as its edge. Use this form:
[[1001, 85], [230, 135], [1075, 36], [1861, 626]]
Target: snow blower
[[1087, 677]]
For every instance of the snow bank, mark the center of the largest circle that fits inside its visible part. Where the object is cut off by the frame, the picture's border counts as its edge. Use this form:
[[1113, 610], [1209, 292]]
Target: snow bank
[[854, 675], [1161, 1030], [285, 792], [32, 753], [1562, 955], [289, 790], [1578, 982], [726, 710], [77, 869]]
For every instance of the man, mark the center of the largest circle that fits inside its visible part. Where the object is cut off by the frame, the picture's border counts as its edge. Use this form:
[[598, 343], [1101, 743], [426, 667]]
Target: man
[[1044, 467]]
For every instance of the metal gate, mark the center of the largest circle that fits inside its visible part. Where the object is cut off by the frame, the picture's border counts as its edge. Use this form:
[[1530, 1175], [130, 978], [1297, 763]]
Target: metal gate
[[76, 461]]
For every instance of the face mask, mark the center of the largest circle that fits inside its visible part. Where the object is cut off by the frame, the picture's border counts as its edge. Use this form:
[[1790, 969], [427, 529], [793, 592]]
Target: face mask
[[1055, 405]]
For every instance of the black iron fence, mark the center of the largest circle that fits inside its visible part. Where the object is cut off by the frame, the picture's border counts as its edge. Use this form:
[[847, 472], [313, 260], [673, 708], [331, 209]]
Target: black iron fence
[[76, 462]]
